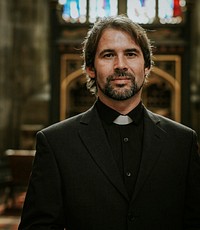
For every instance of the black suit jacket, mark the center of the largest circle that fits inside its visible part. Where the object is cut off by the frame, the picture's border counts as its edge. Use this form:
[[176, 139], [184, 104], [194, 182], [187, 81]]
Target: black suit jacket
[[76, 184]]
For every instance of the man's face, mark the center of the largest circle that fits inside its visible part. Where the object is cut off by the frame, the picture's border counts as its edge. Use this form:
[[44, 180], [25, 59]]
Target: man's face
[[118, 66]]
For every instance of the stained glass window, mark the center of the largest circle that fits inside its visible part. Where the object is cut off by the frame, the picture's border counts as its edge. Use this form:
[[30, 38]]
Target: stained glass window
[[170, 11], [102, 8], [74, 10], [141, 11], [149, 11]]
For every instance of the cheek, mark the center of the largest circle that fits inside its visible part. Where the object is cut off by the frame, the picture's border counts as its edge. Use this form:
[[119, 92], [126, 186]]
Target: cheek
[[142, 71], [100, 78], [140, 75], [102, 72]]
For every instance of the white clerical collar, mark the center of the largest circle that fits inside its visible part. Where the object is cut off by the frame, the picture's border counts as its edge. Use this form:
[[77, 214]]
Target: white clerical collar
[[123, 120]]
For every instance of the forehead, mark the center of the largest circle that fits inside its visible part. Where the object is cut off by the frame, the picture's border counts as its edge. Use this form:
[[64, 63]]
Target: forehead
[[116, 38]]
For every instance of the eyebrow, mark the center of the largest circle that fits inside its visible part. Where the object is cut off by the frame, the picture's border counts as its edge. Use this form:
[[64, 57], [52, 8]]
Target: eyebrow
[[106, 51], [133, 50], [126, 51]]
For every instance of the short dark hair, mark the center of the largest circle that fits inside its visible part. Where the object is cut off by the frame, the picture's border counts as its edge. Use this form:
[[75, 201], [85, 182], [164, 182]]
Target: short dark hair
[[120, 22]]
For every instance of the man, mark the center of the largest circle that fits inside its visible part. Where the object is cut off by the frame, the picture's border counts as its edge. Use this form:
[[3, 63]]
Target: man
[[104, 170]]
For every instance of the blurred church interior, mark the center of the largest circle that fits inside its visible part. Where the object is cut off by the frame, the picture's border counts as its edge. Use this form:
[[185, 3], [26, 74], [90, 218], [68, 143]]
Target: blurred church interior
[[41, 78]]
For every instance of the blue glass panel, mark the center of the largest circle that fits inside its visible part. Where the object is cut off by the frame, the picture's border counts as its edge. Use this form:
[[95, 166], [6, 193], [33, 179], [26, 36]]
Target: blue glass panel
[[165, 8], [74, 10]]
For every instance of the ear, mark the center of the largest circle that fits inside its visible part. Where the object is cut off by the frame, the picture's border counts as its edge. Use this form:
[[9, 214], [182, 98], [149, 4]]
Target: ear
[[90, 71], [147, 71]]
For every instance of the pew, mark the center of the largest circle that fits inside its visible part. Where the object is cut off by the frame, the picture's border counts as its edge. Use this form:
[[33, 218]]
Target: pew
[[20, 164]]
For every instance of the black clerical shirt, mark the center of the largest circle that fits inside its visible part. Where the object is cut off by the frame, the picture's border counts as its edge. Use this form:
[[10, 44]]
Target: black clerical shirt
[[125, 141]]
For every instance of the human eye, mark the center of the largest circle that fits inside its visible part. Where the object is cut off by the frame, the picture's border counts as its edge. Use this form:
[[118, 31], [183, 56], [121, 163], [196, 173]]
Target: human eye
[[108, 55], [132, 53]]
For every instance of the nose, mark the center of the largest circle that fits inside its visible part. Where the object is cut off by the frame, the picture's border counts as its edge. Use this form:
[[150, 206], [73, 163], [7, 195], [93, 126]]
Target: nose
[[120, 64]]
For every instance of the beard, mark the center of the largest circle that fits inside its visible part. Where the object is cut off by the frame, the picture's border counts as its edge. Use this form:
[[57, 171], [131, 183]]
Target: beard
[[120, 92]]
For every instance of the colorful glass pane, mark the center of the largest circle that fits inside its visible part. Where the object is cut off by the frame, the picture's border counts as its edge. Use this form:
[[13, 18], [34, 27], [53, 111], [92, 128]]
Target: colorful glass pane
[[74, 10], [177, 9], [102, 8], [141, 11], [170, 11]]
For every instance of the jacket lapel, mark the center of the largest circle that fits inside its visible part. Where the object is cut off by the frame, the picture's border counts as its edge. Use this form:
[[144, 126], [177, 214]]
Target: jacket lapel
[[152, 143], [93, 136]]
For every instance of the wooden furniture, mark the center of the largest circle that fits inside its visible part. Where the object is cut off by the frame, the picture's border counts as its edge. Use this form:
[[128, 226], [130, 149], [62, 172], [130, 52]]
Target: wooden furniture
[[20, 163]]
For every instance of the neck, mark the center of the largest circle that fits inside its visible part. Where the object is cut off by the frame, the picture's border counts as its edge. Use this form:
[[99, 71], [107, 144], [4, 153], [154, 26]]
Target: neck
[[122, 107]]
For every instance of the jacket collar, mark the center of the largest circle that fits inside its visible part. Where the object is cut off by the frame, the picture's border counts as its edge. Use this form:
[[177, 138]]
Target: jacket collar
[[93, 136], [108, 114], [153, 140]]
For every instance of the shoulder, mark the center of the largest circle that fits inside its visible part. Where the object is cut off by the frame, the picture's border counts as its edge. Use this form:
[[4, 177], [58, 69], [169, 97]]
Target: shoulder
[[70, 124], [64, 125], [167, 124]]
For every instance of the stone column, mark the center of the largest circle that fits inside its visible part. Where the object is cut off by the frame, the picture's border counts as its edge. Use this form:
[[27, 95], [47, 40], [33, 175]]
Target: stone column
[[6, 47], [195, 65]]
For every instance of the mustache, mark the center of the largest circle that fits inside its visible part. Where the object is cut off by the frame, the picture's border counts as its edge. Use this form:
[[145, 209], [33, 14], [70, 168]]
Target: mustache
[[121, 73]]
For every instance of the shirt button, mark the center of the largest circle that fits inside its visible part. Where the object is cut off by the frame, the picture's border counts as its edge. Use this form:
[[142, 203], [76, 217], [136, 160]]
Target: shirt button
[[131, 217], [125, 139], [128, 174]]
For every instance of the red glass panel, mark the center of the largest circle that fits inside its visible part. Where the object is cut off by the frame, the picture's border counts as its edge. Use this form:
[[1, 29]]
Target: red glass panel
[[177, 8]]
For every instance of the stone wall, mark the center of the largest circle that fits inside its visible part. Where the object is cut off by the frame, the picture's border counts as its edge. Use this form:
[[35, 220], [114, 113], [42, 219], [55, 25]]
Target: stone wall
[[24, 67]]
